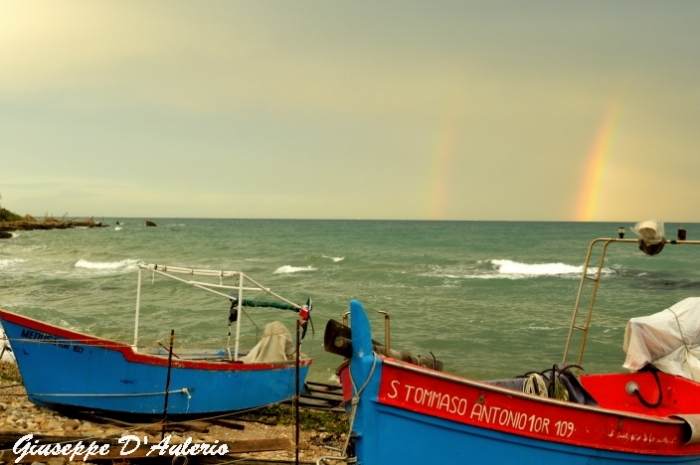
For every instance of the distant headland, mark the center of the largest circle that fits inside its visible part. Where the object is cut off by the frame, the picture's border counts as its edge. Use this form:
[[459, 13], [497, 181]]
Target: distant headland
[[10, 221]]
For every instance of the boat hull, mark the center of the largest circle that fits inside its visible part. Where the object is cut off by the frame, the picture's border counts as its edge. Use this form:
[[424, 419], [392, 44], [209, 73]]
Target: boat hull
[[63, 368], [403, 413]]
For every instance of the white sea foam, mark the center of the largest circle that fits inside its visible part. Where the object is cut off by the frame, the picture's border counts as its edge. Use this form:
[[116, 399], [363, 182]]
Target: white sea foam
[[8, 262], [287, 269], [124, 265], [510, 268], [335, 259]]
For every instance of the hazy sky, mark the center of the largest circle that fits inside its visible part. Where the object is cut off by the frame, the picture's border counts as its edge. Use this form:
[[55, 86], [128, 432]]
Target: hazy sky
[[465, 110]]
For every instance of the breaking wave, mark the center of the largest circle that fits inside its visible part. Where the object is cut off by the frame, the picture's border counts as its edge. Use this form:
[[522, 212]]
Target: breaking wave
[[286, 269], [512, 269], [509, 267], [124, 265], [6, 263]]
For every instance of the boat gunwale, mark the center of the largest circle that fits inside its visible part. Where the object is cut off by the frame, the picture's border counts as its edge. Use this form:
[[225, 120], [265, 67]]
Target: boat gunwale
[[544, 400], [132, 355]]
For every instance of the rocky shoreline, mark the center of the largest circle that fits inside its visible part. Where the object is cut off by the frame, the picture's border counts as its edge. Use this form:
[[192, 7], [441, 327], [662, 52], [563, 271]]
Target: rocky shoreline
[[29, 223], [19, 417]]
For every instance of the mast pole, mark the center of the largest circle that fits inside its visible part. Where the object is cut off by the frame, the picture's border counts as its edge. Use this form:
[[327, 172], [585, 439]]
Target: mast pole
[[138, 306], [240, 315]]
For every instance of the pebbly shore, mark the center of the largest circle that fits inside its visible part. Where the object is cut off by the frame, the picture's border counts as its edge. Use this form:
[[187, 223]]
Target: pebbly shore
[[19, 416]]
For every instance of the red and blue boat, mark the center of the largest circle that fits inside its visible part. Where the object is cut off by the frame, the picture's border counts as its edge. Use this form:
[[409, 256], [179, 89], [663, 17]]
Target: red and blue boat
[[66, 369], [405, 410]]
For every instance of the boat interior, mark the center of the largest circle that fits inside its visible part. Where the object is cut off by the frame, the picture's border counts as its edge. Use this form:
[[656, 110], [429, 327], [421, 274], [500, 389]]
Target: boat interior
[[647, 392]]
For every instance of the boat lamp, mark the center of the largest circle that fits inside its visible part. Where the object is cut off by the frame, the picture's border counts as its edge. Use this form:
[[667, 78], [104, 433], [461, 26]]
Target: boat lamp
[[621, 232], [681, 234]]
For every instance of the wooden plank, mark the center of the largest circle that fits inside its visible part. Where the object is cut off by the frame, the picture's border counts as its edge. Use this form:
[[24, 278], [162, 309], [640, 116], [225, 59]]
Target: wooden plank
[[259, 445], [324, 395], [316, 386], [311, 402], [192, 425], [227, 423]]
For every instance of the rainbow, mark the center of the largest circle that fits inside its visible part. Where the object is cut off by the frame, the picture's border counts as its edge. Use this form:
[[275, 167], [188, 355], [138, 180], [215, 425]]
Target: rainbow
[[587, 202], [439, 178]]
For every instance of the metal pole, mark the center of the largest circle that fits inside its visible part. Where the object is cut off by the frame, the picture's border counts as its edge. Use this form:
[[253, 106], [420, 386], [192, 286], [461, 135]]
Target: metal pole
[[387, 332], [296, 394], [240, 314], [167, 382], [138, 306]]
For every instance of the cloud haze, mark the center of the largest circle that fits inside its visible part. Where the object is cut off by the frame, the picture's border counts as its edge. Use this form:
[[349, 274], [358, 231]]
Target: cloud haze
[[415, 110]]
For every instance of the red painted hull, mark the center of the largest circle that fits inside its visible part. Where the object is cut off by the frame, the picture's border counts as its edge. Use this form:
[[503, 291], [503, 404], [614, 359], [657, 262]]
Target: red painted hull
[[620, 422]]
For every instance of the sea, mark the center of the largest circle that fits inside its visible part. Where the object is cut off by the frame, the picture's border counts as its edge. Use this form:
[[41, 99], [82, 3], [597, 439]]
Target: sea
[[490, 299]]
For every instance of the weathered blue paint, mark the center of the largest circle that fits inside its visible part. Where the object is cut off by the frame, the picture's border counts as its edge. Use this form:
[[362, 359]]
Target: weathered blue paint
[[66, 368]]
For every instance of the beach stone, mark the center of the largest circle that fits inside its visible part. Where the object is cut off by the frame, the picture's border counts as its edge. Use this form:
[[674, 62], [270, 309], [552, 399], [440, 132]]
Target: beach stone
[[52, 425], [113, 432], [92, 432], [70, 425]]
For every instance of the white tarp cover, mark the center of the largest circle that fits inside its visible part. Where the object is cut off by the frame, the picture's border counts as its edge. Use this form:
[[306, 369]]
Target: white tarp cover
[[669, 340], [275, 346]]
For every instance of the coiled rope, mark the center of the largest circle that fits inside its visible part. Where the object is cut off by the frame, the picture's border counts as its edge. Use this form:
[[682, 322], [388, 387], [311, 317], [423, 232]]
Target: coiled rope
[[550, 387]]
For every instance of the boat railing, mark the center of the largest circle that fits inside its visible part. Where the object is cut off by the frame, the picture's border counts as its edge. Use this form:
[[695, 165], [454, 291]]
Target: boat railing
[[581, 321], [242, 282]]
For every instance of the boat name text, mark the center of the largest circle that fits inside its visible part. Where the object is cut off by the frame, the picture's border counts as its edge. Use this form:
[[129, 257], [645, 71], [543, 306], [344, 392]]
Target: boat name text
[[49, 339], [479, 412]]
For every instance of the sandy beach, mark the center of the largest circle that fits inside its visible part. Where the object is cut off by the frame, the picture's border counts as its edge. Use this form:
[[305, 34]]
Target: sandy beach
[[19, 416]]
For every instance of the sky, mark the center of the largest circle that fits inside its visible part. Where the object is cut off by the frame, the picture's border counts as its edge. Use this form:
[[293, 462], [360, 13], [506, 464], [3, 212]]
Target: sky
[[424, 110]]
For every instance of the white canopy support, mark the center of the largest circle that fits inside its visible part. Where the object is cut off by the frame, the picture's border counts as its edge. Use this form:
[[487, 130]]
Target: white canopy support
[[243, 279]]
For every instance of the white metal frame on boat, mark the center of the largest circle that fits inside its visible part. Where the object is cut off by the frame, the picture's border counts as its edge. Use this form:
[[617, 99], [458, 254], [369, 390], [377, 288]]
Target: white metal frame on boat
[[596, 281], [242, 279]]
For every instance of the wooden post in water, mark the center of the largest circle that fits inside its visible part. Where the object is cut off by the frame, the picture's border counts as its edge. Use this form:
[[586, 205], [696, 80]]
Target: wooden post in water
[[167, 383]]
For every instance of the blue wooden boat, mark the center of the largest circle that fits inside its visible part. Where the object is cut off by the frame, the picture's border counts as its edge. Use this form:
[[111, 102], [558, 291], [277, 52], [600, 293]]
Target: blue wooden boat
[[403, 410], [62, 368]]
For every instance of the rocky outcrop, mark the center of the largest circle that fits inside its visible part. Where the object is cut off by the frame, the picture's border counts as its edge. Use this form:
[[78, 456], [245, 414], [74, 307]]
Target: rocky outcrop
[[29, 223], [150, 223]]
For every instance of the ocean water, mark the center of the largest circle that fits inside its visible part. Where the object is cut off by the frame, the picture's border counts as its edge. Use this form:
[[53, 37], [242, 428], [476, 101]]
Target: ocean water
[[489, 299]]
